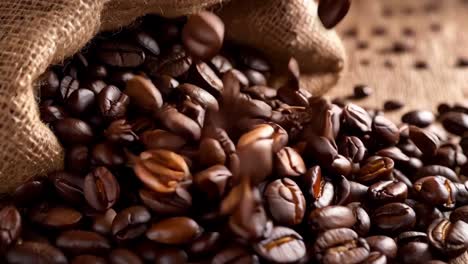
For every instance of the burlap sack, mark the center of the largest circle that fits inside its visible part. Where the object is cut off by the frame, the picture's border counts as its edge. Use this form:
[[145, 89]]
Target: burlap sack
[[36, 33]]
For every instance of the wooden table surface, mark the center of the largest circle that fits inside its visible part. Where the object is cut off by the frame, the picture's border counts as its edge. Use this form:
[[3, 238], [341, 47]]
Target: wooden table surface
[[434, 30]]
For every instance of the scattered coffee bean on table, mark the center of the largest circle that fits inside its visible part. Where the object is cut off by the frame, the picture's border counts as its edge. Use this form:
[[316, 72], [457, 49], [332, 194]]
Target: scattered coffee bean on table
[[177, 151]]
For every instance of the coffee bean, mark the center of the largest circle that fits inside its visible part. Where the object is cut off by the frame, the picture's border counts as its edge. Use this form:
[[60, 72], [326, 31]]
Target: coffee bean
[[455, 122], [419, 118], [143, 93], [72, 131], [119, 54], [161, 170], [332, 12], [286, 202], [193, 110], [50, 114], [77, 158], [35, 252], [283, 245], [206, 78], [175, 63], [437, 170], [148, 42], [375, 258], [203, 35], [373, 171], [235, 255], [426, 141], [101, 189], [200, 96], [82, 242], [436, 190], [120, 131], [123, 256], [102, 223], [384, 245], [363, 222], [362, 91], [130, 223], [50, 84], [450, 238], [85, 259], [176, 203], [214, 182], [394, 217], [289, 163], [69, 187], [385, 131], [10, 226], [425, 213], [207, 243], [340, 245], [161, 139], [387, 192], [331, 217], [55, 217], [112, 102], [67, 86], [356, 118], [30, 192], [221, 64], [394, 153], [461, 213], [352, 148], [174, 231], [80, 101], [392, 105], [414, 252], [179, 123]]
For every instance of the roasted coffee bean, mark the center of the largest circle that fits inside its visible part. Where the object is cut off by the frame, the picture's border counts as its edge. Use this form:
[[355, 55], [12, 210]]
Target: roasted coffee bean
[[148, 42], [207, 243], [55, 217], [221, 64], [461, 213], [363, 222], [212, 152], [101, 189], [294, 97], [352, 148], [30, 192], [123, 256], [425, 213], [438, 170], [376, 170], [51, 113], [340, 245], [81, 101], [175, 63], [170, 255], [143, 93], [258, 78], [193, 110], [286, 203], [175, 203], [436, 190], [112, 102], [375, 258], [72, 131], [394, 153], [384, 245], [174, 231], [214, 182], [35, 252], [86, 259], [165, 84], [362, 91], [103, 222], [67, 86], [120, 131], [289, 163], [357, 119], [82, 242], [130, 223], [393, 217], [97, 71], [119, 54], [10, 227], [235, 254], [414, 252], [451, 238], [203, 35], [95, 86], [357, 192], [331, 217], [161, 139], [283, 245], [384, 192], [120, 78], [419, 118], [392, 105], [455, 122], [332, 12], [69, 187], [179, 123], [200, 96], [106, 154], [426, 141], [77, 158], [316, 189], [385, 131], [161, 170], [341, 166], [50, 84], [206, 78]]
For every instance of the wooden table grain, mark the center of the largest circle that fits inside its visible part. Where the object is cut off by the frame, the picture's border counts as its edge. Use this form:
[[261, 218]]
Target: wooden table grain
[[434, 30]]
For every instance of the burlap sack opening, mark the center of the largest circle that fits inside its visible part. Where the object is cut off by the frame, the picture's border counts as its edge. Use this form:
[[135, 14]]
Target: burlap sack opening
[[37, 33]]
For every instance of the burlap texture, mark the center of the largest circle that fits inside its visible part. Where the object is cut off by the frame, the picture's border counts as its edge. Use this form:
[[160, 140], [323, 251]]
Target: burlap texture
[[37, 33]]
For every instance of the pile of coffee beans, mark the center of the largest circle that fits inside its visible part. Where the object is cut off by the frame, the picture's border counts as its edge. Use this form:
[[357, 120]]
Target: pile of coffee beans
[[177, 151]]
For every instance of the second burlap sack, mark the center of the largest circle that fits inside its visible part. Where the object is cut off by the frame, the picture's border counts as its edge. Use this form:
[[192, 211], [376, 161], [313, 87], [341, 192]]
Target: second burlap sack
[[37, 33]]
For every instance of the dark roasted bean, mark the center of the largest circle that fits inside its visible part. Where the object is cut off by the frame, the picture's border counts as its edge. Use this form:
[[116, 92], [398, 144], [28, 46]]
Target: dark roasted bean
[[82, 242], [67, 86], [363, 222], [438, 170], [385, 131], [55, 217], [51, 113], [148, 42], [289, 163], [394, 217], [87, 259], [286, 202], [332, 12], [123, 256], [10, 227], [35, 252], [30, 192], [101, 189], [352, 148], [69, 187], [175, 203], [340, 245], [77, 158], [392, 105], [175, 63], [174, 231], [207, 79], [419, 118], [384, 245], [426, 141], [214, 182], [357, 119], [414, 252], [373, 171], [81, 101], [207, 243], [235, 255], [103, 223], [143, 93], [436, 190], [72, 131], [120, 54], [283, 245], [387, 192], [455, 122], [330, 217], [450, 238], [362, 91], [112, 102], [179, 123], [130, 223]]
